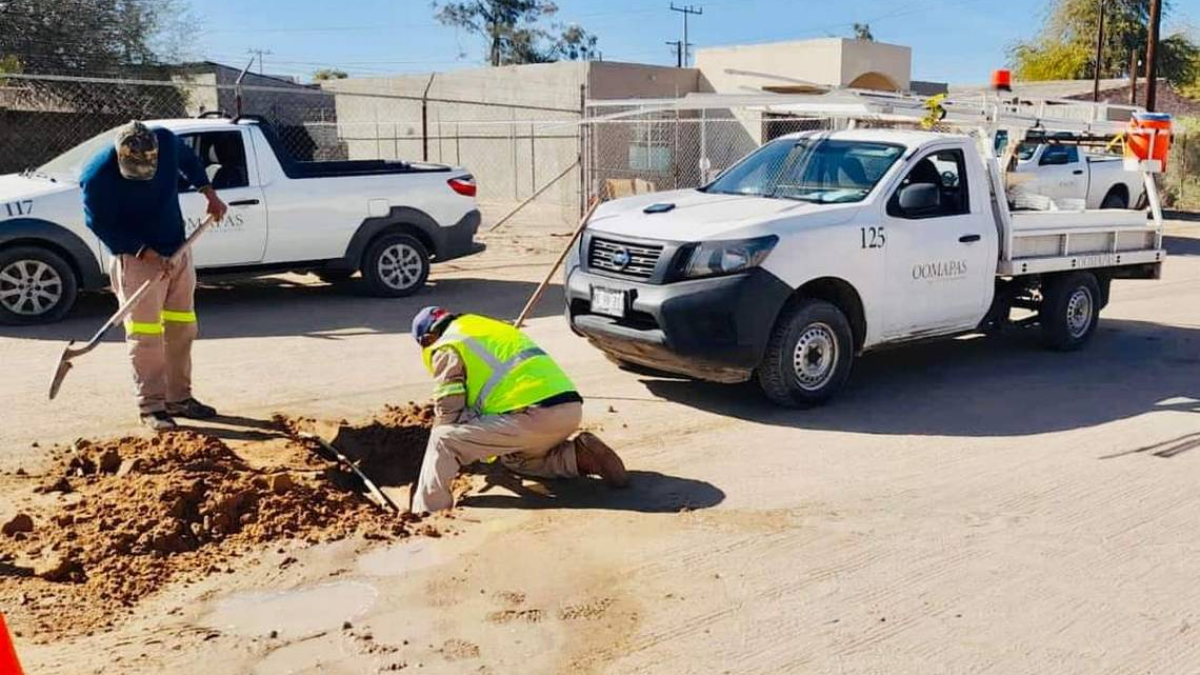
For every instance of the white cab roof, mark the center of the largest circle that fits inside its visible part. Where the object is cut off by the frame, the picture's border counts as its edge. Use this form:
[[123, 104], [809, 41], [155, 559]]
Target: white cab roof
[[905, 137], [191, 125]]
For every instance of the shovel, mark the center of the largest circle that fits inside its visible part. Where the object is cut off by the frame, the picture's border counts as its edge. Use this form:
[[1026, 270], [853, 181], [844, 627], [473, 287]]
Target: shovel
[[537, 294], [331, 431], [71, 351]]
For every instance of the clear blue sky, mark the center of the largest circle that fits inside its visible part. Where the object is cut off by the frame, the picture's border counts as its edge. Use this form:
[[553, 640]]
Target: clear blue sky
[[958, 41]]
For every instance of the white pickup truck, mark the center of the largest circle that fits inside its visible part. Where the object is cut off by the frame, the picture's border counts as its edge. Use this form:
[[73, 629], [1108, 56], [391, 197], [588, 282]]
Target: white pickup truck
[[819, 246], [385, 219], [1066, 174]]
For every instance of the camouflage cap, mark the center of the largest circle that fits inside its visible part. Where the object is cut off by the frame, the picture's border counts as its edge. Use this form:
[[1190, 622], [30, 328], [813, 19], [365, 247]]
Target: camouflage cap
[[137, 151]]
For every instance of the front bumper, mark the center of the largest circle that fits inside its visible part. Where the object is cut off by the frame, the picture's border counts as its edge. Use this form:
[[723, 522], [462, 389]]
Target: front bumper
[[712, 329]]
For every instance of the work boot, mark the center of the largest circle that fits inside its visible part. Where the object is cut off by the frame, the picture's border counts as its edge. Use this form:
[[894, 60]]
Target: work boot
[[594, 457], [159, 421], [192, 409]]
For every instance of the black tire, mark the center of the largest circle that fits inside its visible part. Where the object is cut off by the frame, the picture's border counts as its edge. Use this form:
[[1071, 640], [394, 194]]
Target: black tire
[[403, 278], [1115, 199], [822, 327], [36, 286], [1070, 310]]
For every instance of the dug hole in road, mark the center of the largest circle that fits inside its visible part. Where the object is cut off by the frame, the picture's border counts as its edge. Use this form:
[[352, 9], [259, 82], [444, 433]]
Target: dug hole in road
[[974, 505]]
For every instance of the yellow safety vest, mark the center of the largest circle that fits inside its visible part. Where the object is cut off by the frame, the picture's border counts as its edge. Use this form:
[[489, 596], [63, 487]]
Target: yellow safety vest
[[506, 371]]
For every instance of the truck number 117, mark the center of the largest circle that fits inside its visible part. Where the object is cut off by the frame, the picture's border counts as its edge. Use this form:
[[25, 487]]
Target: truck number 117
[[22, 208]]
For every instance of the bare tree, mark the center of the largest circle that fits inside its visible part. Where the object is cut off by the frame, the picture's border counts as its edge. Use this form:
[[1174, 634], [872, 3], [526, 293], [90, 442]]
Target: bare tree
[[325, 74], [513, 32], [862, 31]]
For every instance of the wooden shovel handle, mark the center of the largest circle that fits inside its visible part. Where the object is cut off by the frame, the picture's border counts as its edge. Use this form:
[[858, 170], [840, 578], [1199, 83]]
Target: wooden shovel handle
[[541, 289]]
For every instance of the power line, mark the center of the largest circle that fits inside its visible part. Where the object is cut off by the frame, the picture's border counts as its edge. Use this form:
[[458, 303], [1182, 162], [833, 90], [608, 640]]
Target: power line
[[686, 11], [678, 45], [939, 5], [260, 53]]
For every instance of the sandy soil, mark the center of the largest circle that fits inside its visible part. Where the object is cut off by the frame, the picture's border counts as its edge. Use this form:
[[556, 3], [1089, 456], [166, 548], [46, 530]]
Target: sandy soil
[[970, 506], [116, 521]]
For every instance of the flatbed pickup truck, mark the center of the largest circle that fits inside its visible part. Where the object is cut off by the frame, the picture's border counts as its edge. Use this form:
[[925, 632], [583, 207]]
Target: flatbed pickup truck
[[1067, 174], [385, 219], [819, 246]]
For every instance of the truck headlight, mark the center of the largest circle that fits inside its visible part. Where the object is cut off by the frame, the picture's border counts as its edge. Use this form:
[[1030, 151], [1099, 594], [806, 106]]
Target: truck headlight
[[712, 258]]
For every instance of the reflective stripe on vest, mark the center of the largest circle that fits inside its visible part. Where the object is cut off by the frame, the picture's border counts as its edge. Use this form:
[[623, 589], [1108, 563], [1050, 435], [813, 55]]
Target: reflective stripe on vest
[[505, 370], [500, 370]]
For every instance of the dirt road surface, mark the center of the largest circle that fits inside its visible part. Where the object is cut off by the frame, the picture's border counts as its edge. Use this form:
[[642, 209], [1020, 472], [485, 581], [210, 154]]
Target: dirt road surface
[[970, 506]]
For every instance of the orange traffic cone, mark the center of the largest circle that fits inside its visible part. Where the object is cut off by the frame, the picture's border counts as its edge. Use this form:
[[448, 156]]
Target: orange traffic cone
[[9, 665]]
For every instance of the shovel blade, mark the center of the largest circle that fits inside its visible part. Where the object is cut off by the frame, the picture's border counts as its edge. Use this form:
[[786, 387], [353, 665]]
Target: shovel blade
[[60, 370], [330, 431]]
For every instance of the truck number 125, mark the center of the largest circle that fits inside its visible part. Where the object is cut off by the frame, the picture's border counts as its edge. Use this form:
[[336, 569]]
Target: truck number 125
[[872, 237]]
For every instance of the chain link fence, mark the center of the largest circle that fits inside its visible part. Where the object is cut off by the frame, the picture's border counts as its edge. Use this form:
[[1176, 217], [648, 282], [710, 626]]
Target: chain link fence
[[1180, 184], [630, 151], [512, 149], [542, 151]]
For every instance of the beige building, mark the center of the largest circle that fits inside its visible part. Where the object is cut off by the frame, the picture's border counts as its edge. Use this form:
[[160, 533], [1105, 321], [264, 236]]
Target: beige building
[[515, 127], [210, 88], [805, 66], [518, 127]]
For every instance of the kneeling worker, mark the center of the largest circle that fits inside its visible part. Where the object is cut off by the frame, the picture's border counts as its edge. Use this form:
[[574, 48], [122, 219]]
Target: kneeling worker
[[498, 394]]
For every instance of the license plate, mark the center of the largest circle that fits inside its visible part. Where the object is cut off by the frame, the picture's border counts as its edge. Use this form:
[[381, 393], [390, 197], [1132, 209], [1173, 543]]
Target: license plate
[[609, 302]]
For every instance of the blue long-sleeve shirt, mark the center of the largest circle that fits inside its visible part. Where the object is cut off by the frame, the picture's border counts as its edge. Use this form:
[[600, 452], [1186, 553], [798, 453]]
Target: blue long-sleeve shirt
[[128, 215]]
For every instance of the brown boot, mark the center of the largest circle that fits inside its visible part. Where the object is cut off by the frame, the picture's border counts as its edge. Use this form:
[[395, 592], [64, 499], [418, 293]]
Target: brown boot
[[593, 457]]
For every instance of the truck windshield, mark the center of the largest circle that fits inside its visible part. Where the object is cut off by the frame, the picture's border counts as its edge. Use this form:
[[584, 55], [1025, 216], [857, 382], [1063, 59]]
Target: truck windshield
[[810, 169], [69, 165]]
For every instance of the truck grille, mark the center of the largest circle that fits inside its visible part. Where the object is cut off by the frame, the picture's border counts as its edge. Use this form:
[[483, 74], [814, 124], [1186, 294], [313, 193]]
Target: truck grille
[[631, 260]]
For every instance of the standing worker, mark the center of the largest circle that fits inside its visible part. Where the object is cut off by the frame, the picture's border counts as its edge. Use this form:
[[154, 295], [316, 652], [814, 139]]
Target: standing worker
[[499, 395], [131, 202]]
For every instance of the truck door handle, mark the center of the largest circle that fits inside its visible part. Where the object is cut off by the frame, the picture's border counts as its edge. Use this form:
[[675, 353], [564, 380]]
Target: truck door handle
[[969, 238], [244, 202], [1078, 172]]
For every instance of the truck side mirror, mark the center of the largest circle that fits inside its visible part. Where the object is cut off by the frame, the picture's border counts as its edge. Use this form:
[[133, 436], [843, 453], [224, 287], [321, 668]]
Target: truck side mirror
[[920, 199]]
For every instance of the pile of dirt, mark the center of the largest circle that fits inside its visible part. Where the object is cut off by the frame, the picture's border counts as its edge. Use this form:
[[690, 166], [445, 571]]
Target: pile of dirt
[[119, 519]]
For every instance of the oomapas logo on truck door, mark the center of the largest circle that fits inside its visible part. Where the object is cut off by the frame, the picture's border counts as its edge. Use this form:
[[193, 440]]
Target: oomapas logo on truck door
[[944, 270]]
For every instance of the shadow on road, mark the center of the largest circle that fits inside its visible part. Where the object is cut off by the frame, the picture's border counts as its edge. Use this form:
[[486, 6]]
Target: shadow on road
[[1188, 216], [648, 492], [234, 428], [278, 306], [1165, 449], [1004, 386], [1181, 245]]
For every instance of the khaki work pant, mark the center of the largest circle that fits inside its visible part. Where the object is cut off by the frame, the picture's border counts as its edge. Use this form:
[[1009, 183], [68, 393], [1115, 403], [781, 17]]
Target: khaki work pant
[[160, 330], [531, 442]]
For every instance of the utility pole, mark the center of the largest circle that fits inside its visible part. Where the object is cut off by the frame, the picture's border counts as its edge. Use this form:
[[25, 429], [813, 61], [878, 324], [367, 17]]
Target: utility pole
[[1099, 54], [1152, 54], [259, 53], [1133, 66], [679, 49], [686, 10]]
